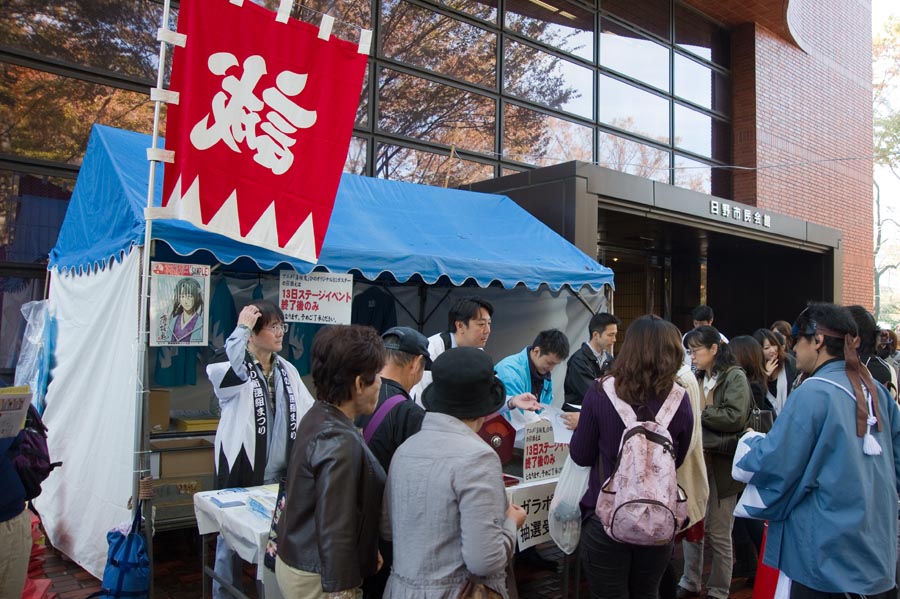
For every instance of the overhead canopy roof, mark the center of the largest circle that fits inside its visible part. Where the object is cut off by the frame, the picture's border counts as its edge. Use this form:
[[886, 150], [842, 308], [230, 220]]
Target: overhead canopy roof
[[377, 228]]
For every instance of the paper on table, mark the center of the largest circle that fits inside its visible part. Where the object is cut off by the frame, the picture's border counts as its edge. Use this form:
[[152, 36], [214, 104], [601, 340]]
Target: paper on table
[[14, 402], [561, 434]]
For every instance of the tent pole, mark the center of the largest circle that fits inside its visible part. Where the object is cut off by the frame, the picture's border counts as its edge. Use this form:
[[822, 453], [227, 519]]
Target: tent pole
[[141, 438], [581, 299], [423, 297]]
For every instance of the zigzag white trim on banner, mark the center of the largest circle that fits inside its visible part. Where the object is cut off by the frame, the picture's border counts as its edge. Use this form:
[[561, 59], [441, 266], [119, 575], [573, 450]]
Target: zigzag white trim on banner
[[186, 206]]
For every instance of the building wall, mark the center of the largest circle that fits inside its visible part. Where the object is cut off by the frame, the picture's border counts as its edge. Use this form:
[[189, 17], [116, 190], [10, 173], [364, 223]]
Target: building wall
[[810, 107]]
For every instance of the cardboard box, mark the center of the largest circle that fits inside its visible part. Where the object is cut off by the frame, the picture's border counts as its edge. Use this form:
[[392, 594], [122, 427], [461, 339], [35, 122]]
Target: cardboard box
[[194, 425], [173, 500], [184, 457], [159, 410]]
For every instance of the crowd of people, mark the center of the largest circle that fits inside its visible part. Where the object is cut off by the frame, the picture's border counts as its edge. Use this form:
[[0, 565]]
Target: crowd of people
[[387, 490]]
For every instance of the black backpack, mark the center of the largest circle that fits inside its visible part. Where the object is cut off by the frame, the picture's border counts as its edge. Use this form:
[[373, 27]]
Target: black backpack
[[30, 455]]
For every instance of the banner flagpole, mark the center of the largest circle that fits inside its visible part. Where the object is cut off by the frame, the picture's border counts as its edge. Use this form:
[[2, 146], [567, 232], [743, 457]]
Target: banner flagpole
[[155, 155]]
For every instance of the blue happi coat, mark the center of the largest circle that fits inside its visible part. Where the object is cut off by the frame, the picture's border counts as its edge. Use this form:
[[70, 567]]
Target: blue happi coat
[[832, 509]]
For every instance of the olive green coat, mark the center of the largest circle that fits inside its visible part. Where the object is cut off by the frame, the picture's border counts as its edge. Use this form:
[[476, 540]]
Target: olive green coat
[[729, 412]]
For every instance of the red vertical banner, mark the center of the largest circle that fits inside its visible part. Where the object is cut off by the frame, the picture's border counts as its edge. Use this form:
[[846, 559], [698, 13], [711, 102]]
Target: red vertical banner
[[262, 126]]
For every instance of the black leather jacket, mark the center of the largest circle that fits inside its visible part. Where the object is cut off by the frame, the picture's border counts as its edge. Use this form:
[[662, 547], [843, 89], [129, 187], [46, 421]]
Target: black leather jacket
[[333, 501]]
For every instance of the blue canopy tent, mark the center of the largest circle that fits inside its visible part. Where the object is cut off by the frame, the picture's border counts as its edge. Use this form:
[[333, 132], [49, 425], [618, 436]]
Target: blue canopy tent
[[384, 231], [378, 227]]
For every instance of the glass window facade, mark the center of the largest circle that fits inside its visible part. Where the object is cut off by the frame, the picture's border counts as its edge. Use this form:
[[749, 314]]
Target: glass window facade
[[444, 77], [632, 54], [548, 80]]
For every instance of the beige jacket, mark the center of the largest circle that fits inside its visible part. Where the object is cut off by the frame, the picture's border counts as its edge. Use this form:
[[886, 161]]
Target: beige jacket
[[692, 474]]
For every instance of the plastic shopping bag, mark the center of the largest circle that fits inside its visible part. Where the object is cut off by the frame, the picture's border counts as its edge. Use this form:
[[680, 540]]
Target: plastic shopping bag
[[565, 511]]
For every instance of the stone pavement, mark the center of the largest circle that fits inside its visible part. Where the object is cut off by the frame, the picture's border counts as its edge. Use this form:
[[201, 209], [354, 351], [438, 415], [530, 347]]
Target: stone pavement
[[177, 573]]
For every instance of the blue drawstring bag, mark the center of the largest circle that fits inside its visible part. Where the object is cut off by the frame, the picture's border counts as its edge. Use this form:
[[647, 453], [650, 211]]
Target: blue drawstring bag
[[127, 572]]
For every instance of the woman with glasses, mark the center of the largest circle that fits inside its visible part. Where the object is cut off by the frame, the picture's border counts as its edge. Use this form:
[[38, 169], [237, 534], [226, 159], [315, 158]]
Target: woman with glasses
[[727, 402], [262, 399]]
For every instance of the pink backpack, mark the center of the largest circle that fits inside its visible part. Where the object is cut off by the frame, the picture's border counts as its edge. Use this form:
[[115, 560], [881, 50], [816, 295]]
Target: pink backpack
[[641, 503]]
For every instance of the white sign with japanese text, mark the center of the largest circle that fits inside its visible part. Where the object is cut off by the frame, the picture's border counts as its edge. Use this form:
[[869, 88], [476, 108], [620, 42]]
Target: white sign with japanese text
[[535, 499], [544, 457], [316, 298]]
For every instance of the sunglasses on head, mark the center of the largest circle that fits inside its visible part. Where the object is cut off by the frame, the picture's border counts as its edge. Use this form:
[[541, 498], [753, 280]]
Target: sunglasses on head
[[808, 330]]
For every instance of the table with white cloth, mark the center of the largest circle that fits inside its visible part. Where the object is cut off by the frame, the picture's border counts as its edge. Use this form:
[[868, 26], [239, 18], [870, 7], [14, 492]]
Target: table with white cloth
[[243, 516]]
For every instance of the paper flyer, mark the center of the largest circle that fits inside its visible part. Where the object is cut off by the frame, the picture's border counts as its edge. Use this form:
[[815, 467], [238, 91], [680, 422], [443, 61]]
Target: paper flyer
[[14, 402]]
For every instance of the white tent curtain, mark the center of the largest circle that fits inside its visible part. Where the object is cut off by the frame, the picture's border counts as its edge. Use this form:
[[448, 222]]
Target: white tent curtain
[[96, 358]]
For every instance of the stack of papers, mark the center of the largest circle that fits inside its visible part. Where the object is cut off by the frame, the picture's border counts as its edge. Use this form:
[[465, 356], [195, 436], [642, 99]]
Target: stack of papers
[[262, 504]]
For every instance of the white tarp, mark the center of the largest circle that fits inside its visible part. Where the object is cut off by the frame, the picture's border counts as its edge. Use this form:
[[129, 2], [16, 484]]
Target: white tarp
[[90, 409]]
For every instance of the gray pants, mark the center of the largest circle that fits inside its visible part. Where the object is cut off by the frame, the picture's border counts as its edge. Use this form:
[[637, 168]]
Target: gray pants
[[717, 530]]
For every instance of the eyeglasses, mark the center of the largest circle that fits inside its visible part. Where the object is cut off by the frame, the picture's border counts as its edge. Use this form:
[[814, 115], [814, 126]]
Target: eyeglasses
[[278, 326]]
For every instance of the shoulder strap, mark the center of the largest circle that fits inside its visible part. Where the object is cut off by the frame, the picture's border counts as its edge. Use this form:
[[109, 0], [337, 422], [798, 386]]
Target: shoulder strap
[[380, 415], [448, 342], [626, 413], [670, 406]]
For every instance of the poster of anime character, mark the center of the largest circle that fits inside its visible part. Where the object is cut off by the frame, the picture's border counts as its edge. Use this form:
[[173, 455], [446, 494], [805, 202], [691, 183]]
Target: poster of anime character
[[179, 294]]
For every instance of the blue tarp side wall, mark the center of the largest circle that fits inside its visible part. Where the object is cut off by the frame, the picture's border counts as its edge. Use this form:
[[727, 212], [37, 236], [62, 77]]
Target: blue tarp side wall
[[377, 227]]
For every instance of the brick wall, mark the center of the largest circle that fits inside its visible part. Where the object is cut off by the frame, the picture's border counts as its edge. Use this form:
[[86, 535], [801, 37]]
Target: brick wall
[[811, 105]]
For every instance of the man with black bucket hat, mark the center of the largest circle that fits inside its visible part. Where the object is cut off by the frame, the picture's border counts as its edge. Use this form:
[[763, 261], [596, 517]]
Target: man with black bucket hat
[[444, 496]]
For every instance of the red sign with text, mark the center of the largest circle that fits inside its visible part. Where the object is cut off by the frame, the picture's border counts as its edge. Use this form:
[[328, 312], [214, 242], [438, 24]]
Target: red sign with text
[[262, 127]]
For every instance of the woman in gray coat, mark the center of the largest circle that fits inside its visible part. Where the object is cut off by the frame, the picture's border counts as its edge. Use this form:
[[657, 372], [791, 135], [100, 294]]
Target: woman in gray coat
[[445, 505]]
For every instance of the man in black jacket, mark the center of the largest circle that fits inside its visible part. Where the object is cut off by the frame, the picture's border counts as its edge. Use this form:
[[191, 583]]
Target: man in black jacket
[[590, 362], [391, 425], [396, 418]]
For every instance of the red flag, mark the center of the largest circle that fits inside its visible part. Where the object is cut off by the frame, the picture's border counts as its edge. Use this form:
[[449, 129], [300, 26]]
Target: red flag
[[262, 126]]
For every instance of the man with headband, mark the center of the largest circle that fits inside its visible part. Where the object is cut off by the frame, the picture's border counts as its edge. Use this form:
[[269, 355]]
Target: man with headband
[[826, 476]]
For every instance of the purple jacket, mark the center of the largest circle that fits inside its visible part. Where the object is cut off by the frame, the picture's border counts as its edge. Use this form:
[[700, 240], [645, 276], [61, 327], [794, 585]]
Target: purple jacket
[[596, 441]]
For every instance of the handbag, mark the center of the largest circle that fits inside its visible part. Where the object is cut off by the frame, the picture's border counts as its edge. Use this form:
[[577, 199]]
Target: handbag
[[565, 511], [477, 590], [127, 572], [761, 420]]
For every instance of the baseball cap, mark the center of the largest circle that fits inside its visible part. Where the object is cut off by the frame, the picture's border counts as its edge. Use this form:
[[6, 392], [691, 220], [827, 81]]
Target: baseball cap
[[409, 341]]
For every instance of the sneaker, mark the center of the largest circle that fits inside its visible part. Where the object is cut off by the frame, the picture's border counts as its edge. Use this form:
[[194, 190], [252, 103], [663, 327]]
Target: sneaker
[[683, 593]]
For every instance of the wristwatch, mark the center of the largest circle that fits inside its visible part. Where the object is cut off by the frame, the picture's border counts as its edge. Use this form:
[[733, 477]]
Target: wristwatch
[[509, 403]]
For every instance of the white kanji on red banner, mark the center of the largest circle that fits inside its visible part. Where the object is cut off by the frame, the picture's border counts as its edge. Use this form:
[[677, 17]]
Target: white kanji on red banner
[[262, 129]]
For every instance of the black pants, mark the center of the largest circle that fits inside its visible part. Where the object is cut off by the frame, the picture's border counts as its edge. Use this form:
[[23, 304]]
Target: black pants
[[620, 571], [373, 586], [798, 591]]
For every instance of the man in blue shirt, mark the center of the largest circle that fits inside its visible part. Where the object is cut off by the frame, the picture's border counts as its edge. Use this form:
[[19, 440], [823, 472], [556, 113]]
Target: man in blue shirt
[[827, 473], [526, 375]]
